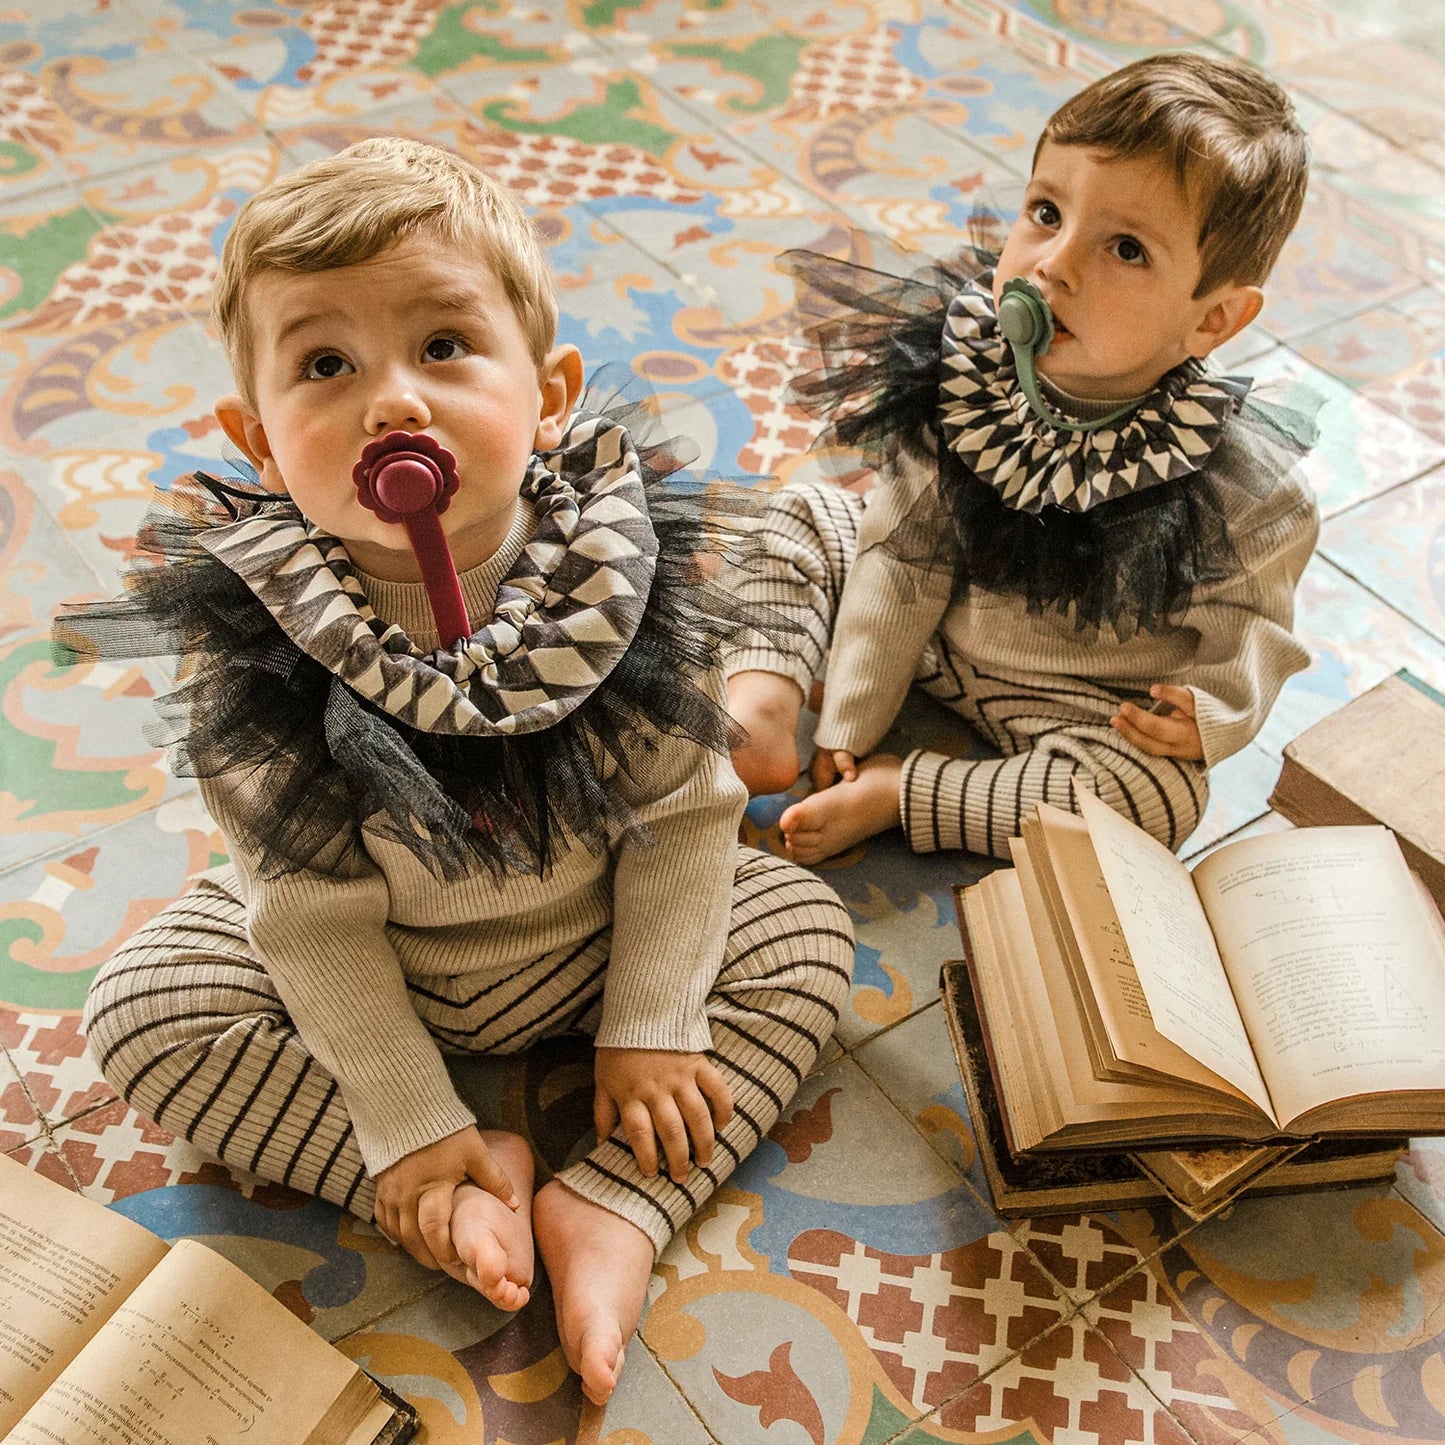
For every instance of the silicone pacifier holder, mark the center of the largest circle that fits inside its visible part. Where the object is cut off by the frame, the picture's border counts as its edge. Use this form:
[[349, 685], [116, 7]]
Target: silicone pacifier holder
[[1027, 325], [409, 478]]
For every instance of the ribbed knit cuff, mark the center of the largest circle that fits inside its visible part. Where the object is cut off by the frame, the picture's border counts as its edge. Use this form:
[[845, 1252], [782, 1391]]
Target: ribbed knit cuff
[[762, 658], [930, 799], [383, 1142]]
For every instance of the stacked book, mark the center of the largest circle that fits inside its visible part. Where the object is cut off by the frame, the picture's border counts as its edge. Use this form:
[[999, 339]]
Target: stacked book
[[1275, 1019]]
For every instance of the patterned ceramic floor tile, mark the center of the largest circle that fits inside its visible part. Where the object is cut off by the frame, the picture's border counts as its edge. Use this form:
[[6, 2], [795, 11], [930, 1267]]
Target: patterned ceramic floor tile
[[476, 1374], [1354, 641], [1362, 448], [64, 915], [1239, 788], [1396, 543], [114, 113], [913, 1063], [1421, 1178], [1385, 83], [1318, 1308], [837, 1297], [850, 1284], [19, 1119], [74, 755], [1394, 355], [1068, 1386]]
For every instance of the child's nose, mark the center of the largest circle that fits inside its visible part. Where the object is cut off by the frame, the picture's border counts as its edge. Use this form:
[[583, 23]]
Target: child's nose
[[396, 404], [1059, 262]]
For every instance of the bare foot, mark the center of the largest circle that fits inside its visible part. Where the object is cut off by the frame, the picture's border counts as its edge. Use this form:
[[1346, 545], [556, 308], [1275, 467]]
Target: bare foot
[[599, 1265], [837, 818], [494, 1243], [767, 705]]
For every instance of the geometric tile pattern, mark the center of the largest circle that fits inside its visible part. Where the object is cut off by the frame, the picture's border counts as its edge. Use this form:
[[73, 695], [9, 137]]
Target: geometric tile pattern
[[851, 1284]]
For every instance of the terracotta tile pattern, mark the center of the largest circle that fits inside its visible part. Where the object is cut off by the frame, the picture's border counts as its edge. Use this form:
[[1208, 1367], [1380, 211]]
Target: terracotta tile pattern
[[852, 1279]]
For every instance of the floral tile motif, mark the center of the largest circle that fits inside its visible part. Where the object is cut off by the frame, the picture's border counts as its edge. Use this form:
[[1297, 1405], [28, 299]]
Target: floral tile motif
[[851, 1284], [65, 915], [106, 114], [327, 1267], [844, 1300], [1386, 83], [1310, 1306]]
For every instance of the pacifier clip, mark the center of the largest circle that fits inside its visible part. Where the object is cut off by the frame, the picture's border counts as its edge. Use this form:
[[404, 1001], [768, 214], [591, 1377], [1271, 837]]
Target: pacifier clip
[[409, 477], [1028, 327]]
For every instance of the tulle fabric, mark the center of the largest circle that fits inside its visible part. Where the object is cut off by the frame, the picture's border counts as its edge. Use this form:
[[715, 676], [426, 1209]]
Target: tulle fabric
[[320, 760], [1129, 564]]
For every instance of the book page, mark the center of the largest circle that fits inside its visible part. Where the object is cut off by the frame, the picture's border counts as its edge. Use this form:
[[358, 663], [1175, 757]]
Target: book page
[[1336, 964], [1173, 949], [198, 1352], [1106, 981], [66, 1264]]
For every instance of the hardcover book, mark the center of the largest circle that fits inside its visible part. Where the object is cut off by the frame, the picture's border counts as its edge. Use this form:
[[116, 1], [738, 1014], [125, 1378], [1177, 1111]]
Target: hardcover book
[[1378, 759], [1198, 1181], [108, 1334], [1293, 985]]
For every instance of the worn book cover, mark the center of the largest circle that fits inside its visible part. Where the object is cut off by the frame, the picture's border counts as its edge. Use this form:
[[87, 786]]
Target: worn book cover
[[1199, 1182], [1378, 759]]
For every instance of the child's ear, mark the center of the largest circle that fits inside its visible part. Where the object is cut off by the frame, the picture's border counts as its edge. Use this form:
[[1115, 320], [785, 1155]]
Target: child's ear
[[1227, 313], [244, 428], [561, 377]]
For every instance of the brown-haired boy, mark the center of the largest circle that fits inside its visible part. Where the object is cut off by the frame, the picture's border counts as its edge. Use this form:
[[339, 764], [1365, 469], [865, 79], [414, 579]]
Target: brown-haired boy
[[1050, 566], [458, 844]]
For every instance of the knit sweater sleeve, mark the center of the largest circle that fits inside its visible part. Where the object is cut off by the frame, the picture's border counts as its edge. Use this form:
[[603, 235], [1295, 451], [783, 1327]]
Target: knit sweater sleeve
[[889, 609], [321, 935], [672, 898], [1245, 649]]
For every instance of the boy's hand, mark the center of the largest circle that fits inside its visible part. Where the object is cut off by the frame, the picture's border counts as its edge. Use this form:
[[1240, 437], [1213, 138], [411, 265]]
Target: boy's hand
[[1168, 729], [414, 1195], [657, 1094], [831, 764]]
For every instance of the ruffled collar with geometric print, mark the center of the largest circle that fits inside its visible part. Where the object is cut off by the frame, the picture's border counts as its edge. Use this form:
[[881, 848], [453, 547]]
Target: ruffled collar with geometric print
[[564, 615], [987, 421]]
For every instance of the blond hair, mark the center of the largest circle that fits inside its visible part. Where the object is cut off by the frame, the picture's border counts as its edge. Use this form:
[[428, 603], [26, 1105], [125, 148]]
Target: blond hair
[[347, 208], [1228, 133]]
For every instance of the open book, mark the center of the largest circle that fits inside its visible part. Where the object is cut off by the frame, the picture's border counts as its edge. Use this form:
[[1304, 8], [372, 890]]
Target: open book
[[110, 1336], [1293, 985], [1198, 1180]]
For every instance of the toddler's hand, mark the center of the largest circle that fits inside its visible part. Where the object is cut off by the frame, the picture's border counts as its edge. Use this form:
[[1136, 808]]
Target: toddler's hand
[[831, 764], [657, 1094], [414, 1195], [1168, 730]]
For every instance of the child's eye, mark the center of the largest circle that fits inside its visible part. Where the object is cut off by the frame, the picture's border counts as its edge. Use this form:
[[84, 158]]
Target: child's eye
[[1130, 252], [323, 365], [444, 348], [1044, 213]]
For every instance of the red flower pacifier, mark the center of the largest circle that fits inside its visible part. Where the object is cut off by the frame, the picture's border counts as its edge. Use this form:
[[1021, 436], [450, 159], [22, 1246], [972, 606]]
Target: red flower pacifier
[[409, 477]]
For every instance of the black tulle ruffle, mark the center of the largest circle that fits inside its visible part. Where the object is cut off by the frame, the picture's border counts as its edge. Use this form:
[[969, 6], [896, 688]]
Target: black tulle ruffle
[[1133, 563], [249, 703]]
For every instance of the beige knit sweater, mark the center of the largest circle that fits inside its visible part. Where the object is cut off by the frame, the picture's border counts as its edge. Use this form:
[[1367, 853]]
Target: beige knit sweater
[[342, 949], [1233, 648]]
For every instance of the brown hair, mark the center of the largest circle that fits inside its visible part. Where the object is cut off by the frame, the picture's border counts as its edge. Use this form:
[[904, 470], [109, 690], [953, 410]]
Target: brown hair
[[347, 208], [1231, 137]]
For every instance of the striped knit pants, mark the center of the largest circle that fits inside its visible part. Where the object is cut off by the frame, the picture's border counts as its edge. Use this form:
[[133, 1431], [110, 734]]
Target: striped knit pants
[[1051, 730], [187, 1027]]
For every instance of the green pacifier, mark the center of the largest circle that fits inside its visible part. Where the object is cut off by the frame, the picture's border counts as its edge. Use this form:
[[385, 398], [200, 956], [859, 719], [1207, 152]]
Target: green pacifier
[[1027, 326]]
